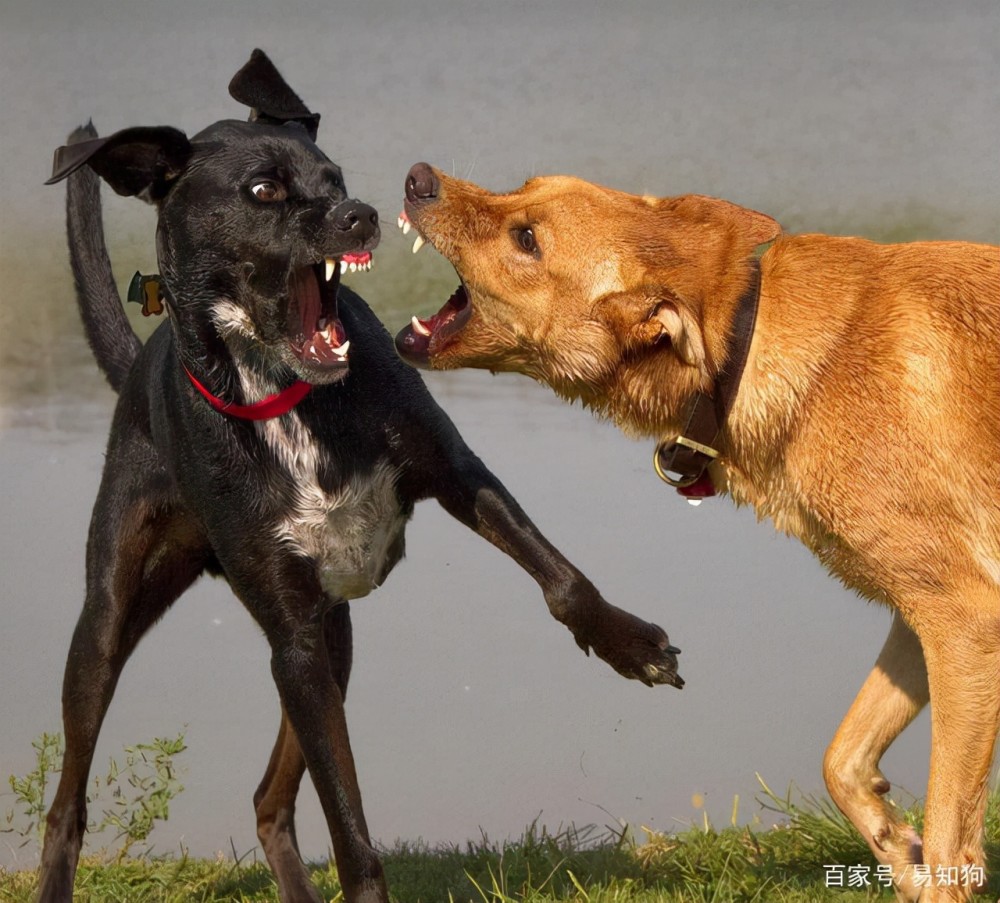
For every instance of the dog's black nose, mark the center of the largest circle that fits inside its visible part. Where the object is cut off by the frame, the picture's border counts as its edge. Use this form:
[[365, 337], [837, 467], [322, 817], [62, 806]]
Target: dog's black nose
[[421, 183], [354, 216]]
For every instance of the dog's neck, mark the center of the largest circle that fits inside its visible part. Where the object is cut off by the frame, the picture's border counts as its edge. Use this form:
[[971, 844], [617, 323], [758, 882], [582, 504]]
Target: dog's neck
[[682, 460], [266, 408], [223, 365]]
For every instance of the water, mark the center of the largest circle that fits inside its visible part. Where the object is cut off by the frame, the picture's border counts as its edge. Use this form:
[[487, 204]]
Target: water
[[469, 707]]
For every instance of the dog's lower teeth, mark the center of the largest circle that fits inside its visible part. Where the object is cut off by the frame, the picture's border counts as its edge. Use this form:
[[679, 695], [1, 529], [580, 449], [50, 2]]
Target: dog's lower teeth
[[418, 243], [331, 268]]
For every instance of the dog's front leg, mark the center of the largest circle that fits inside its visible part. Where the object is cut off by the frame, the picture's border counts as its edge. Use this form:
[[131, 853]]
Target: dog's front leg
[[633, 647], [284, 597]]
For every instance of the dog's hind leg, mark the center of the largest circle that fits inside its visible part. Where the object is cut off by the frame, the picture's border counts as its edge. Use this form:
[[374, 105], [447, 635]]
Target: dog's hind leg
[[274, 800], [962, 647], [141, 556], [892, 696]]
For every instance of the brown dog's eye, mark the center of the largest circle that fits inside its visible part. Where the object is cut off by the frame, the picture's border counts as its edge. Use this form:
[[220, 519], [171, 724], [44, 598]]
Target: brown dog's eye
[[525, 239], [267, 190]]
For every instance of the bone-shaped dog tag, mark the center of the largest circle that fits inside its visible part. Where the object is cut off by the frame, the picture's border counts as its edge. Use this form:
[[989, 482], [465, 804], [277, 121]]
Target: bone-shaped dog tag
[[145, 290]]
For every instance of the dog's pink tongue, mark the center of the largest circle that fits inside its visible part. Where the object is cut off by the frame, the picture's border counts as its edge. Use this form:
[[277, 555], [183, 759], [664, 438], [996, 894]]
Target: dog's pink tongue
[[305, 289]]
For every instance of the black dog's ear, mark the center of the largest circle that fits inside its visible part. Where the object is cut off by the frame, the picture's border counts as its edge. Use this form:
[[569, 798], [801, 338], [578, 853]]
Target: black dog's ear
[[259, 85], [138, 161]]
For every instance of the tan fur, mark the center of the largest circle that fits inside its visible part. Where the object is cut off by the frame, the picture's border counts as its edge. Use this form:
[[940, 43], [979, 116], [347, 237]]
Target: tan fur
[[867, 424]]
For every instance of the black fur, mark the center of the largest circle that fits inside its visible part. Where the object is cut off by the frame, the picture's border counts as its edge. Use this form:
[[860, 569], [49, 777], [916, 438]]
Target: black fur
[[299, 513]]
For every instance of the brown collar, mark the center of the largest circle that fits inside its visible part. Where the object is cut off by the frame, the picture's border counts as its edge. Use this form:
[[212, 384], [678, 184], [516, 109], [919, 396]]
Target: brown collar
[[682, 461]]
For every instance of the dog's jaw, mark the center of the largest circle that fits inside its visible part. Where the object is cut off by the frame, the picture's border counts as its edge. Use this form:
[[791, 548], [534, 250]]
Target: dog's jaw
[[414, 342], [316, 335], [307, 337]]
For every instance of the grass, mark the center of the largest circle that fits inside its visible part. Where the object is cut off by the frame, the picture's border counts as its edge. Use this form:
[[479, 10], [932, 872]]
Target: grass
[[781, 863]]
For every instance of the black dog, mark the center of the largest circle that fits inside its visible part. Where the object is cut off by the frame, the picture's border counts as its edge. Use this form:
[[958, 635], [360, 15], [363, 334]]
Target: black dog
[[243, 446]]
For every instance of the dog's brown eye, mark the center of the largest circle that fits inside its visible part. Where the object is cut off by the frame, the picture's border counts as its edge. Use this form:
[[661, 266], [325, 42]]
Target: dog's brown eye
[[525, 239], [267, 190]]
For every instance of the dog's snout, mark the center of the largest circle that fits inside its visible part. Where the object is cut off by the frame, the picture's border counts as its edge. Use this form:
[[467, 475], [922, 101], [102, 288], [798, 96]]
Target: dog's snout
[[354, 216], [421, 183]]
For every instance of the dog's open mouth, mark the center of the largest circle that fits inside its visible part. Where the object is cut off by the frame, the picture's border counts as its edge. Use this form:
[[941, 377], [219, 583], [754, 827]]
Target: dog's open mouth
[[416, 342], [316, 335]]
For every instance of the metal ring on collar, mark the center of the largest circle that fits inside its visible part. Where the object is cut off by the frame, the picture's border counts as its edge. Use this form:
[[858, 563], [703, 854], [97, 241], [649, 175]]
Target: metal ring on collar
[[680, 483]]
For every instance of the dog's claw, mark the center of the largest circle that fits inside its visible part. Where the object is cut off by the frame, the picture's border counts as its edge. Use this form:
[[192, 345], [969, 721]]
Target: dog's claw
[[634, 648]]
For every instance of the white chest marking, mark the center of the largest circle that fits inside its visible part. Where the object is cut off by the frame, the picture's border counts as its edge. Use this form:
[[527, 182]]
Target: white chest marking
[[354, 534]]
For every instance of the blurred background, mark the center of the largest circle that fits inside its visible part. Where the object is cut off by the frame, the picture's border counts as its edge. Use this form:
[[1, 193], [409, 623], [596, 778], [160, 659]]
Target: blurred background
[[470, 709]]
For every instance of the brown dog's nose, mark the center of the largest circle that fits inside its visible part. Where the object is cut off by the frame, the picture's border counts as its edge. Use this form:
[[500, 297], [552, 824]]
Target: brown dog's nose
[[421, 183]]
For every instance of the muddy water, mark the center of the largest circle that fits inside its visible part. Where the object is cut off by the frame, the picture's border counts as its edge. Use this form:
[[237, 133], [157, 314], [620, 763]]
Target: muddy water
[[470, 708]]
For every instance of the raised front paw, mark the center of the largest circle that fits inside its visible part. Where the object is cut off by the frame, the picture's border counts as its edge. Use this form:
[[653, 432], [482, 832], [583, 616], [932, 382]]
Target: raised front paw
[[633, 647]]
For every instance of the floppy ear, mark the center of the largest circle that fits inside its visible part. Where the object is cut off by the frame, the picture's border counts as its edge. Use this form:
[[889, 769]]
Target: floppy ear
[[756, 228], [140, 161], [673, 320], [260, 86], [644, 319]]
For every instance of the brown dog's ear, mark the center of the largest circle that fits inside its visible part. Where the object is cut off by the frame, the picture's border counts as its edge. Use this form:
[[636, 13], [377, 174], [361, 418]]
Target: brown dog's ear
[[140, 161], [673, 320], [756, 228], [259, 85], [643, 320]]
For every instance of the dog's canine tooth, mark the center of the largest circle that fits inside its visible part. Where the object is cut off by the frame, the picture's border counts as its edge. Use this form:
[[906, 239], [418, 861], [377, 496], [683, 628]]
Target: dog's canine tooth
[[342, 350], [418, 243], [331, 267], [419, 328], [343, 267]]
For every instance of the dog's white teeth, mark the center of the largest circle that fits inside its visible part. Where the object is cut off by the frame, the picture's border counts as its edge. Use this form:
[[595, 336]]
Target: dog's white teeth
[[400, 220], [419, 328], [354, 267], [405, 225], [331, 267], [694, 503], [342, 350], [343, 267], [418, 243]]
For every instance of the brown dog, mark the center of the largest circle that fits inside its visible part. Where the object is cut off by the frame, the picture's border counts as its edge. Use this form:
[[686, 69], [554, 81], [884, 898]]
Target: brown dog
[[866, 422]]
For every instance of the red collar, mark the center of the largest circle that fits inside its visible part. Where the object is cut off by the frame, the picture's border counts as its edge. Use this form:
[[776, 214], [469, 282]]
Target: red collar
[[272, 406]]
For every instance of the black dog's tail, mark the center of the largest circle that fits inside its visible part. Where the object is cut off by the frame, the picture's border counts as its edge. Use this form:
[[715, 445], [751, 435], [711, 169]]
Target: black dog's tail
[[109, 333]]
